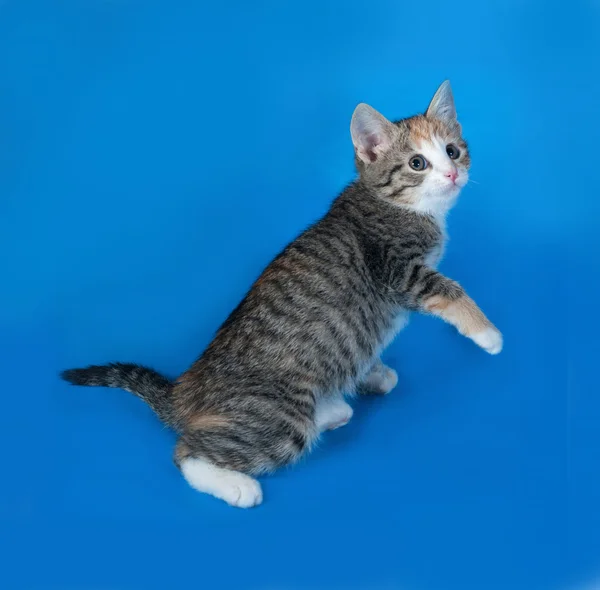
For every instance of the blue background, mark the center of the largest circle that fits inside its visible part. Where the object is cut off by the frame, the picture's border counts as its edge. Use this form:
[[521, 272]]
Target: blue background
[[155, 155]]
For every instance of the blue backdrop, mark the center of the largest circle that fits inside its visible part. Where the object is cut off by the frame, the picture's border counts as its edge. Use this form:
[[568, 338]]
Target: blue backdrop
[[155, 155]]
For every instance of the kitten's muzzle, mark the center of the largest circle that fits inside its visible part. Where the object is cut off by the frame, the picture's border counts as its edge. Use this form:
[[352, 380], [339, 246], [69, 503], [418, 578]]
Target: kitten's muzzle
[[452, 175]]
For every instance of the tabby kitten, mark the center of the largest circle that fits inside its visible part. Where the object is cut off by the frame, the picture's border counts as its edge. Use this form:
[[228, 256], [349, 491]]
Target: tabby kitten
[[313, 326]]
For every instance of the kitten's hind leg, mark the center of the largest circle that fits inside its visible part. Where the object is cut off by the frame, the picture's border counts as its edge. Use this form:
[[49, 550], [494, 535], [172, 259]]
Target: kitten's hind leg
[[237, 489], [234, 487], [381, 379], [332, 412], [218, 452]]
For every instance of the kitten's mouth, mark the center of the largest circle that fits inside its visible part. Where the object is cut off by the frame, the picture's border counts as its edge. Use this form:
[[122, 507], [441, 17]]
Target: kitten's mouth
[[452, 188], [456, 185]]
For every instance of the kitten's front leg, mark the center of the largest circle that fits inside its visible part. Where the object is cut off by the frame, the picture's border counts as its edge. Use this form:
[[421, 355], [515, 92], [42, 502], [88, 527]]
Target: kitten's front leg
[[434, 293], [332, 412], [470, 321], [380, 379]]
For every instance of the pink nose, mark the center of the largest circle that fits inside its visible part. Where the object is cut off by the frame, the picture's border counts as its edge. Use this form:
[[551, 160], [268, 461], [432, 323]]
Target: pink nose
[[452, 175]]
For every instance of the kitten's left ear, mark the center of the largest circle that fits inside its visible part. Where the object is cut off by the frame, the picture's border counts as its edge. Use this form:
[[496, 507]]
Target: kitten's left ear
[[442, 104]]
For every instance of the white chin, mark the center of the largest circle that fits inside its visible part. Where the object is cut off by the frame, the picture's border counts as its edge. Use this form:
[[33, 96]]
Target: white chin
[[453, 190]]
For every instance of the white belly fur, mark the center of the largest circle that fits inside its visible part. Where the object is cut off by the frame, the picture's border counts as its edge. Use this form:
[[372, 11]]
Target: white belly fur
[[399, 324]]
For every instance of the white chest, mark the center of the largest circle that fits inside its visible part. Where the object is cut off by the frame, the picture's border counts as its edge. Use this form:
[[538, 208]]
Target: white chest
[[434, 257]]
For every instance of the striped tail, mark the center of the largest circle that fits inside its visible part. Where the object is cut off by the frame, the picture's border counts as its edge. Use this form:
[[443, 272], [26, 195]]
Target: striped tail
[[146, 383]]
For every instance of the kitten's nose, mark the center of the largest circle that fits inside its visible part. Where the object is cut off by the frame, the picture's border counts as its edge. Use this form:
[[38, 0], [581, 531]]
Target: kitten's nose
[[452, 175]]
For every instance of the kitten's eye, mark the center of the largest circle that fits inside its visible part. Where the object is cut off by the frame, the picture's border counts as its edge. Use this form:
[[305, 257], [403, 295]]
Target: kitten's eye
[[418, 163], [452, 151]]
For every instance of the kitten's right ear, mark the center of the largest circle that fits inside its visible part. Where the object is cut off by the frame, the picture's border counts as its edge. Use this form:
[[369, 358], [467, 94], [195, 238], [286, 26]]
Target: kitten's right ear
[[372, 133]]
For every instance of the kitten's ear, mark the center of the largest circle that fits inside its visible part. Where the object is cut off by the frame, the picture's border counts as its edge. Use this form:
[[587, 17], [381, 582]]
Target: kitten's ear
[[372, 133], [442, 104]]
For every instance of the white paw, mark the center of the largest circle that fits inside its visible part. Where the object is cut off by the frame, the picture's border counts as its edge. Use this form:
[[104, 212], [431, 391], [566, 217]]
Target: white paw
[[237, 489], [382, 380], [240, 490], [341, 420], [490, 340], [332, 413], [388, 379]]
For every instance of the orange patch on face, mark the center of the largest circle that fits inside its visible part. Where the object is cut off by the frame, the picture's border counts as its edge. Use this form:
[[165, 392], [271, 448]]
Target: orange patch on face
[[421, 128]]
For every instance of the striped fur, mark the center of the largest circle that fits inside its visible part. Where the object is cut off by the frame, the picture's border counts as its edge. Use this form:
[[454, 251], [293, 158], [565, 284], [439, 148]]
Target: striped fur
[[313, 325]]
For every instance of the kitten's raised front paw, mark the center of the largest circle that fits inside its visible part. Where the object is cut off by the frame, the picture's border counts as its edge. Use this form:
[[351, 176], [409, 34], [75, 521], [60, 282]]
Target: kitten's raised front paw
[[490, 340]]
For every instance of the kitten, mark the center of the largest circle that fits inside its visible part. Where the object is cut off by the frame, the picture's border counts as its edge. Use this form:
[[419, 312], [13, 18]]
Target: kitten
[[314, 324]]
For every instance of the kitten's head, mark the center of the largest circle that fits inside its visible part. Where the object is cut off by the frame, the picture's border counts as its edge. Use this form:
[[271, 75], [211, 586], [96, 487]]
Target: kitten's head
[[421, 162]]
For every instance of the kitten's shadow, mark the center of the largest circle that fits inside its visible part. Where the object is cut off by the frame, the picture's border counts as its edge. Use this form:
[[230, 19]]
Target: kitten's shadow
[[366, 408]]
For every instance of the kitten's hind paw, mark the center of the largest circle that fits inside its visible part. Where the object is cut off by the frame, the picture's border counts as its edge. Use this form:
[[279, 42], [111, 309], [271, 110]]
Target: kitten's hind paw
[[332, 413], [489, 339], [237, 489], [380, 381]]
